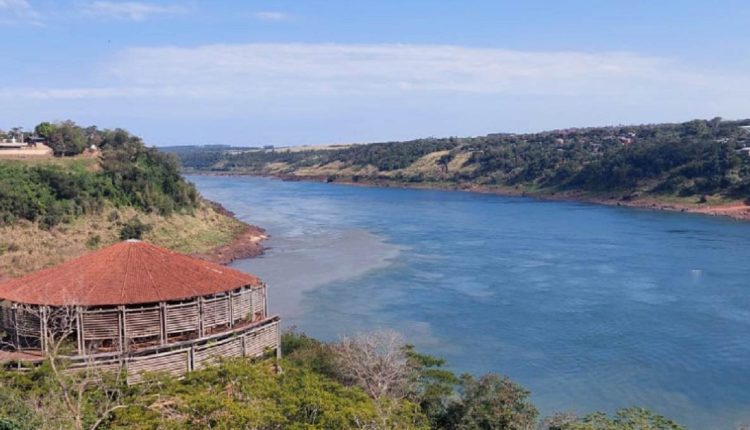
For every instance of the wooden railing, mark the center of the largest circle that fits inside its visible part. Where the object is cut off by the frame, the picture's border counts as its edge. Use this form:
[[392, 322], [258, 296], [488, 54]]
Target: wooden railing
[[252, 340]]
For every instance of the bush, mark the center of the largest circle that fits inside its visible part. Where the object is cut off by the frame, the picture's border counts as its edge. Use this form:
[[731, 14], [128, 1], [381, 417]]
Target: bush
[[134, 229], [94, 241], [624, 419], [130, 175], [492, 402]]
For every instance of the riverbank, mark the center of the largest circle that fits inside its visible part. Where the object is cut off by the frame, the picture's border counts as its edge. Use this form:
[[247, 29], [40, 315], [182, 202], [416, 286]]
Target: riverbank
[[209, 232], [735, 209], [247, 242]]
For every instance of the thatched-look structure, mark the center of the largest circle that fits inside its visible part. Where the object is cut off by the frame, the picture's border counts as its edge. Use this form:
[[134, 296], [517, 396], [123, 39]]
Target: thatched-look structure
[[141, 306]]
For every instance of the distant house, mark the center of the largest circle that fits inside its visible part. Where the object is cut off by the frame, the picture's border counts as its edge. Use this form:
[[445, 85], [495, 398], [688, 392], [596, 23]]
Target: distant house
[[744, 151], [12, 143]]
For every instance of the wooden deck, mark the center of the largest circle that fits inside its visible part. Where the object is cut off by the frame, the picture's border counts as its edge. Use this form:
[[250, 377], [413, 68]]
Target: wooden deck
[[250, 340]]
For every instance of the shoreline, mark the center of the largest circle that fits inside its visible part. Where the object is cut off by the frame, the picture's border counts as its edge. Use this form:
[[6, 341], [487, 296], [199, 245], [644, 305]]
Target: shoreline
[[736, 210], [247, 241], [246, 244]]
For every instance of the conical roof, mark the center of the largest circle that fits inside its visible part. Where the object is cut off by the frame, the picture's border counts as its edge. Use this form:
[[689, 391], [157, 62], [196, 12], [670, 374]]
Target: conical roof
[[130, 272]]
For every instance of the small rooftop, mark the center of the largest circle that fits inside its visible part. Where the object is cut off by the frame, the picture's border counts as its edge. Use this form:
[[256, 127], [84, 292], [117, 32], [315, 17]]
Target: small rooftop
[[126, 273]]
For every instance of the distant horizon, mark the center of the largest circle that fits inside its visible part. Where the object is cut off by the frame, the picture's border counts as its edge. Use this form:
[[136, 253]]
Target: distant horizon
[[468, 136], [290, 73]]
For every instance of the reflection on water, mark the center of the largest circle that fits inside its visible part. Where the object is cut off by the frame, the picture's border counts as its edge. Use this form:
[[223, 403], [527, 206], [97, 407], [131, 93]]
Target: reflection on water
[[590, 307]]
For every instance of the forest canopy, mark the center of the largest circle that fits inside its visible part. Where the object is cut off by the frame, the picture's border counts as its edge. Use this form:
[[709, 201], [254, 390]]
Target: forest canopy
[[124, 173], [691, 159]]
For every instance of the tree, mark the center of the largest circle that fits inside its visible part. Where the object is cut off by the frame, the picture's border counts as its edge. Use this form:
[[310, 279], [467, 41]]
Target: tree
[[433, 387], [67, 139], [624, 419], [492, 402], [81, 397], [44, 129], [377, 362]]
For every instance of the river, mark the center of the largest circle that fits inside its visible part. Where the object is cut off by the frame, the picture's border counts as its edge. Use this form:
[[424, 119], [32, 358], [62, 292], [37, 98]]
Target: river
[[590, 307]]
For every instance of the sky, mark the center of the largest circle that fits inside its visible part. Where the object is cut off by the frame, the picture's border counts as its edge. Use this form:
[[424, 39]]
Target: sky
[[294, 72]]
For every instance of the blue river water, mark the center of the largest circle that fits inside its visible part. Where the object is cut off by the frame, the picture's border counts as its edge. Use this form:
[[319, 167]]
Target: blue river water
[[590, 307]]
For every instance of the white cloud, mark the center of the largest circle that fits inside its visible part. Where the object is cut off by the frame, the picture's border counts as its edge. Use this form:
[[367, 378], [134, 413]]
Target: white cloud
[[273, 71], [271, 16], [19, 12], [277, 69], [135, 11]]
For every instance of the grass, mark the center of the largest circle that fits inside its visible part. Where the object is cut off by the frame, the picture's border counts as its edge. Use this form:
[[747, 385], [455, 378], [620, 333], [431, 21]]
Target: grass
[[25, 247], [77, 163]]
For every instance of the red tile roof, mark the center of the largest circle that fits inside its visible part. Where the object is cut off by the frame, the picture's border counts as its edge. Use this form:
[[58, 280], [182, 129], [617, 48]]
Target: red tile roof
[[129, 272]]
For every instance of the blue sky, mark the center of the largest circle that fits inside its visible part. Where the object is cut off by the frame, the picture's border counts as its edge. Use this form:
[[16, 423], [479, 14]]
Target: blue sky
[[327, 71]]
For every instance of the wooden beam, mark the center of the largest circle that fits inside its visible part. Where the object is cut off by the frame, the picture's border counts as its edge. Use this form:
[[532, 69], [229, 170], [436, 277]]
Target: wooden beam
[[231, 309], [123, 329], [79, 331], [43, 328], [265, 301], [252, 304], [201, 328], [15, 326], [163, 321]]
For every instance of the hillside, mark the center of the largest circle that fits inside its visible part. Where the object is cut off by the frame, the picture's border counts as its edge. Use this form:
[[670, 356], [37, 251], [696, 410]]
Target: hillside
[[373, 381], [53, 209], [698, 165]]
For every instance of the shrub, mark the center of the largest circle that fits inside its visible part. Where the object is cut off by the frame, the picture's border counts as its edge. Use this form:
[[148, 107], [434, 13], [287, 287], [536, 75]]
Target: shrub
[[134, 229], [93, 242]]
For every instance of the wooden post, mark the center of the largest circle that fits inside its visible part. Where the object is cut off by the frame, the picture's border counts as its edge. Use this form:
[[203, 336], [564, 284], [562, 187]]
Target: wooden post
[[243, 343], [278, 342], [15, 326], [265, 301], [201, 327], [163, 321], [79, 330], [252, 303], [123, 329], [231, 309], [43, 328]]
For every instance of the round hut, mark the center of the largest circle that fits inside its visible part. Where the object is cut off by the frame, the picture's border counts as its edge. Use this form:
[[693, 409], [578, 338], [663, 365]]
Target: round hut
[[140, 306]]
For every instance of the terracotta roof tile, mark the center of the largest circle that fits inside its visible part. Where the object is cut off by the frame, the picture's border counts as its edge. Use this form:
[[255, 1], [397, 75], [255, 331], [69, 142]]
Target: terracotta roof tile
[[128, 272]]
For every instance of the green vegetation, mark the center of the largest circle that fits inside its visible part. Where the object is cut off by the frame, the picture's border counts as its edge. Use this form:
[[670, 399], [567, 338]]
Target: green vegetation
[[395, 388], [56, 208], [134, 229], [128, 174], [685, 161]]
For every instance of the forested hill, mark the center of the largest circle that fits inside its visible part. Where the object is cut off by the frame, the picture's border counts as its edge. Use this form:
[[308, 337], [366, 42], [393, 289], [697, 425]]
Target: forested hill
[[695, 160], [122, 172], [101, 186]]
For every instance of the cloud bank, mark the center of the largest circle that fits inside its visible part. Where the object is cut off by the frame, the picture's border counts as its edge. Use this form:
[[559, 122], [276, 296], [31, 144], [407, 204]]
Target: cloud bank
[[18, 12], [134, 11], [278, 70]]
